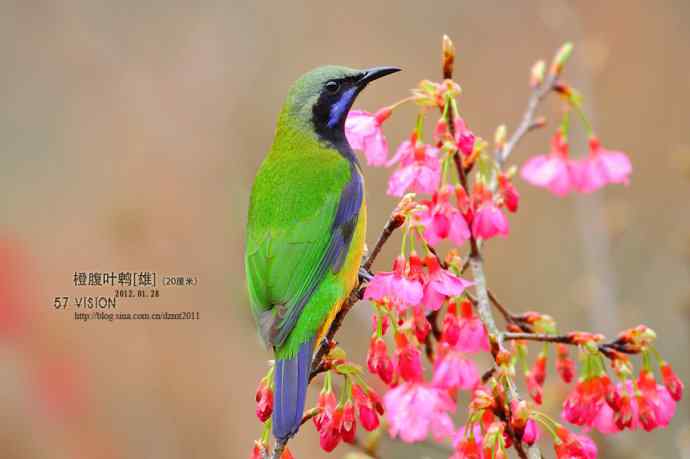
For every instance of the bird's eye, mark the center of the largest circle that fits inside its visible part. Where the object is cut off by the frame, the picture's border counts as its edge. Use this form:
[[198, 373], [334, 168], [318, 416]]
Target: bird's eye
[[332, 86]]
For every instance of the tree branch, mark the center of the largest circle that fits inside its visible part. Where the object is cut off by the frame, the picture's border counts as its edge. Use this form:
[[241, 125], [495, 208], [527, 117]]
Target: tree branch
[[318, 365], [528, 122]]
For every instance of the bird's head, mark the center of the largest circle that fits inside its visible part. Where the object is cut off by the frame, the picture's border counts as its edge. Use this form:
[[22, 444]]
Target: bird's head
[[320, 99]]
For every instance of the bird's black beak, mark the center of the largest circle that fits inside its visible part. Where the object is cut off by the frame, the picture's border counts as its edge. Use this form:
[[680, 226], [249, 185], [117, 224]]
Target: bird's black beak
[[375, 73]]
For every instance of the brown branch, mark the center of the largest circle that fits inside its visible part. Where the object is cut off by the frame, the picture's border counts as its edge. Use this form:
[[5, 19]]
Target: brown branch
[[318, 365], [528, 122], [509, 317], [610, 349]]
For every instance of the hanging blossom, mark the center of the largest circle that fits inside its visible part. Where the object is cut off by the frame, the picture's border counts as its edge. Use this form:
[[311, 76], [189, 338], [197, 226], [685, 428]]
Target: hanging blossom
[[602, 167], [589, 396], [561, 175], [415, 409], [464, 138], [420, 168], [641, 404], [573, 446], [364, 133], [555, 170], [441, 220], [487, 218], [395, 286], [453, 370], [441, 286], [468, 443], [472, 336]]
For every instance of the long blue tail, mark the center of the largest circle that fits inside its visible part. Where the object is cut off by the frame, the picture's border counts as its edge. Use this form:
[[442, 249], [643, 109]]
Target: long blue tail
[[291, 381]]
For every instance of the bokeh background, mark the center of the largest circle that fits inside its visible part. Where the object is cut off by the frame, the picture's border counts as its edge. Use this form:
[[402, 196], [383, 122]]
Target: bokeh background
[[130, 133]]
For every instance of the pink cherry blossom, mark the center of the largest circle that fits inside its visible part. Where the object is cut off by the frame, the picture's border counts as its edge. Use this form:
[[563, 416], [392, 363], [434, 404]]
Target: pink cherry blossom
[[648, 409], [655, 406], [441, 220], [555, 171], [573, 446], [583, 404], [468, 445], [378, 360], [395, 286], [363, 132], [489, 221], [408, 359], [602, 167], [511, 197], [464, 138], [415, 409], [472, 335], [442, 285], [532, 433], [452, 370], [420, 169]]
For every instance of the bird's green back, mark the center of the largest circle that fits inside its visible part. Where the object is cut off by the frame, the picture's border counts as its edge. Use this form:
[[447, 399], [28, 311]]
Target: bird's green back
[[293, 205]]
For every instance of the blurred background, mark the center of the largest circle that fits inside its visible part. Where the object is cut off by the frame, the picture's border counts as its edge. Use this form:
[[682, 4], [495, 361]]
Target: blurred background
[[131, 132]]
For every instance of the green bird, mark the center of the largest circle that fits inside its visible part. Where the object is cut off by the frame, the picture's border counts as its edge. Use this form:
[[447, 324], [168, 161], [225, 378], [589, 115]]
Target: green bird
[[306, 229]]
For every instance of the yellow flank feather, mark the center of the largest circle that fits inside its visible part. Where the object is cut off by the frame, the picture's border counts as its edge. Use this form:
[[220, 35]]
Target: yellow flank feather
[[350, 271]]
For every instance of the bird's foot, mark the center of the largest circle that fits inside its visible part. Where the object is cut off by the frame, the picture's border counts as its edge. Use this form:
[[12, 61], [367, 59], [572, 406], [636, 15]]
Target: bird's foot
[[365, 275]]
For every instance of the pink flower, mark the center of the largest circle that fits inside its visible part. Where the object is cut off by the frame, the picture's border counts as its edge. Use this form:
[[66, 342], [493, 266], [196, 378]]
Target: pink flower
[[395, 286], [378, 360], [572, 446], [453, 371], [564, 364], [368, 406], [468, 445], [464, 138], [554, 171], [363, 132], [511, 197], [408, 359], [442, 285], [584, 402], [531, 434], [420, 169], [415, 409], [441, 220], [672, 382], [264, 401], [330, 433], [258, 450], [472, 335], [647, 406], [655, 406], [348, 428], [489, 221], [326, 404], [602, 167]]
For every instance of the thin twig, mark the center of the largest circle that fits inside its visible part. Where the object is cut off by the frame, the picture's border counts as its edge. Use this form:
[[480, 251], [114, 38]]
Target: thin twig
[[509, 316], [527, 123], [609, 349], [317, 366]]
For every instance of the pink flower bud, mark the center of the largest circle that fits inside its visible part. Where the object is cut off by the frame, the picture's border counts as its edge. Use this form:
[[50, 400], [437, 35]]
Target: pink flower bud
[[264, 401], [672, 382], [564, 364], [348, 427]]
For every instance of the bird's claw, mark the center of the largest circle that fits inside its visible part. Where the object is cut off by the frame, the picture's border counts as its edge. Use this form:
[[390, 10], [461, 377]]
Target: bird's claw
[[365, 275]]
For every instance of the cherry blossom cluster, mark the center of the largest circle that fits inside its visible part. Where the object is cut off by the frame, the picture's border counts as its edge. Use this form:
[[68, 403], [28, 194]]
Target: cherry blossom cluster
[[432, 312]]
